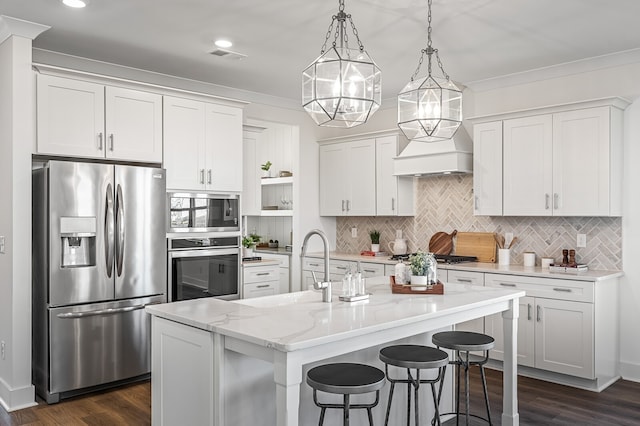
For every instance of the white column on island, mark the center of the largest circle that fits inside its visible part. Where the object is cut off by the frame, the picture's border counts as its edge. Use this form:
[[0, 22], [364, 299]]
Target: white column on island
[[510, 416], [287, 374]]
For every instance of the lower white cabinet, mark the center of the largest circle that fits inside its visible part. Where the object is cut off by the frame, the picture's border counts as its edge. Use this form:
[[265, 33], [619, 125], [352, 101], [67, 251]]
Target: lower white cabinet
[[260, 280], [554, 334], [283, 269], [470, 278], [337, 270]]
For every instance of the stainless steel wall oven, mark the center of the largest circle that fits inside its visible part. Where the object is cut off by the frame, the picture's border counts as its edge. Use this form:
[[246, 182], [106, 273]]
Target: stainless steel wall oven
[[204, 265]]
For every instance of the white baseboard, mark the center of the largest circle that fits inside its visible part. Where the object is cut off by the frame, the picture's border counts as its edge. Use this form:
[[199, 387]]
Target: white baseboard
[[630, 371], [17, 399]]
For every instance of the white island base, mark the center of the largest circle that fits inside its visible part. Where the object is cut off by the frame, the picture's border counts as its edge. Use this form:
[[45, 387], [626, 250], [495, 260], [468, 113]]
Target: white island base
[[226, 363]]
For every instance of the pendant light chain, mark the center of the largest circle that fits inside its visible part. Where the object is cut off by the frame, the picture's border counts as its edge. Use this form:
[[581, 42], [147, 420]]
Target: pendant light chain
[[429, 51]]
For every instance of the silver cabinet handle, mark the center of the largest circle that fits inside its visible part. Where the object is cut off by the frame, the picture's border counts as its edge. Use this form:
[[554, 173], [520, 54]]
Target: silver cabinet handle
[[475, 202], [373, 271], [100, 141], [110, 311], [565, 290], [341, 267], [111, 142], [546, 201], [464, 280], [314, 264], [209, 176], [202, 176], [507, 284], [393, 204], [342, 205], [555, 201], [262, 273], [538, 313], [348, 205], [262, 286], [529, 311]]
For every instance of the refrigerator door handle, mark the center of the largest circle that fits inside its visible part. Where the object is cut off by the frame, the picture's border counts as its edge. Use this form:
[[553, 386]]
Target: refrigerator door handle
[[109, 311], [109, 231], [120, 230]]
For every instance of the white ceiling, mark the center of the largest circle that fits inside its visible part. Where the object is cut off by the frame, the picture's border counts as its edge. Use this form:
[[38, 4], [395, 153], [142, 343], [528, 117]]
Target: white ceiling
[[477, 39]]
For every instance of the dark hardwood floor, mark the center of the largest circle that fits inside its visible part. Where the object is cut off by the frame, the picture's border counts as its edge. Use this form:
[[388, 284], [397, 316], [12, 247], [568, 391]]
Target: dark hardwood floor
[[540, 403]]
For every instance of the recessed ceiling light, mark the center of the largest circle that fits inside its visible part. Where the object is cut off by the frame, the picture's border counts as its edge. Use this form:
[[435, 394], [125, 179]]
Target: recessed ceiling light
[[223, 43], [75, 3]]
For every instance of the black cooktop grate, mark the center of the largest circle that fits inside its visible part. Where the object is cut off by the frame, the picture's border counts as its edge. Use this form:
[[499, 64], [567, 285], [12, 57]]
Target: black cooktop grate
[[441, 258]]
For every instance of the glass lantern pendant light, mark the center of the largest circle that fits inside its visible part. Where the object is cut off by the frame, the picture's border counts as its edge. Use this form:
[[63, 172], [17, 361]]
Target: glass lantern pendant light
[[430, 108], [342, 87]]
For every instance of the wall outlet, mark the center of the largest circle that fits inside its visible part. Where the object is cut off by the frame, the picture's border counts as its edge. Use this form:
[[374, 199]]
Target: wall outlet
[[2, 349], [581, 241], [354, 232], [1, 245]]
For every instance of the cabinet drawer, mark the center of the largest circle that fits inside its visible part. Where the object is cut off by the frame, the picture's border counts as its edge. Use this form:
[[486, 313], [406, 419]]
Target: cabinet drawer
[[313, 264], [550, 288], [372, 269], [260, 289], [465, 277], [341, 266], [258, 274], [282, 258]]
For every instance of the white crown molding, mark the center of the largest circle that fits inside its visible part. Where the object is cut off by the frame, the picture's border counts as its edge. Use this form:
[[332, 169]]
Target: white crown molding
[[555, 71], [17, 27]]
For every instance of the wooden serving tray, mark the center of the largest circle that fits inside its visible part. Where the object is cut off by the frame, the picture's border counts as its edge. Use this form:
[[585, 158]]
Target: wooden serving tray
[[407, 289]]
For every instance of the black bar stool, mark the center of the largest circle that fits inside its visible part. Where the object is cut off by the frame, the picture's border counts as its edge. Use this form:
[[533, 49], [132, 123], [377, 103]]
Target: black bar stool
[[419, 358], [466, 341], [345, 379]]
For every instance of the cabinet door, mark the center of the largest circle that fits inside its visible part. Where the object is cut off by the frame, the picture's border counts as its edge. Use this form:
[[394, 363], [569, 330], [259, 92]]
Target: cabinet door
[[581, 160], [526, 333], [470, 278], [184, 143], [223, 148], [386, 182], [487, 169], [133, 125], [564, 337], [527, 165], [361, 178], [332, 180], [70, 117], [370, 269], [251, 188]]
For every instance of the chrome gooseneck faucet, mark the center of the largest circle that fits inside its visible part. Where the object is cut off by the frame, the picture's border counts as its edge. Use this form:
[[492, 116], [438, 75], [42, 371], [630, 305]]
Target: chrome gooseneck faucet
[[325, 285]]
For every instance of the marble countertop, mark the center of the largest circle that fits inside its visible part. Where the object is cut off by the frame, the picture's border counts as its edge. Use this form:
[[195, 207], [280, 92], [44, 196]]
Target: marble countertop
[[536, 271], [300, 320]]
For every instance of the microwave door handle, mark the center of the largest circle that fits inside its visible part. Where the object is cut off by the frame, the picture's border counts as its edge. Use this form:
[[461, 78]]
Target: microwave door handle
[[109, 230], [120, 230]]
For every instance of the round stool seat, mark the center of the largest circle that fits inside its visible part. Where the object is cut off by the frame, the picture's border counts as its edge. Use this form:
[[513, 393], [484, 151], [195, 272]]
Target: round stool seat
[[463, 341], [414, 356], [346, 378]]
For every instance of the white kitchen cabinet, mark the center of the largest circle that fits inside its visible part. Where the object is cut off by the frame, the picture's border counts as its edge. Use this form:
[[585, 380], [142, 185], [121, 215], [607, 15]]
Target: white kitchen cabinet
[[337, 271], [251, 188], [527, 165], [85, 119], [394, 194], [487, 169], [348, 178], [202, 146], [284, 282], [469, 278], [556, 326], [260, 279]]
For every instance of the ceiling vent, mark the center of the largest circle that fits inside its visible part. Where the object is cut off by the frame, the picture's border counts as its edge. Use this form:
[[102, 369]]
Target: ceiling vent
[[228, 54]]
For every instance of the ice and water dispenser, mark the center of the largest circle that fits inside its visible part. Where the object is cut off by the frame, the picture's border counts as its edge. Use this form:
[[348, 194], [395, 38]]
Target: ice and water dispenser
[[78, 240]]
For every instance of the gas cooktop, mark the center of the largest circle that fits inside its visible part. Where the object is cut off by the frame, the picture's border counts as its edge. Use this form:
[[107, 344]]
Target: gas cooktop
[[441, 258]]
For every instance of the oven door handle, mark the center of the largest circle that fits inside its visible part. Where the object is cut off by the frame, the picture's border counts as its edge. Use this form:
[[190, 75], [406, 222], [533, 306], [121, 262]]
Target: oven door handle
[[195, 252]]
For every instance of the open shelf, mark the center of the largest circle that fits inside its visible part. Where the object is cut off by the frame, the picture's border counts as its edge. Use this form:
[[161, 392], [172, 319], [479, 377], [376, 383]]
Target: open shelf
[[276, 212], [277, 181]]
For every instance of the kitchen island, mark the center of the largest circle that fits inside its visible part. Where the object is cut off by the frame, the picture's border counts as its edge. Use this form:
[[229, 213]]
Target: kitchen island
[[208, 354]]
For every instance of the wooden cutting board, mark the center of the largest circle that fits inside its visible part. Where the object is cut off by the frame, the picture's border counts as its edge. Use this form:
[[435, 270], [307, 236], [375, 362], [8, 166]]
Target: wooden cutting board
[[480, 244], [441, 242]]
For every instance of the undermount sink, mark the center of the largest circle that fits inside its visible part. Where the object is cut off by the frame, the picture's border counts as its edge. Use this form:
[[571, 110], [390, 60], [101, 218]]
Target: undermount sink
[[282, 299]]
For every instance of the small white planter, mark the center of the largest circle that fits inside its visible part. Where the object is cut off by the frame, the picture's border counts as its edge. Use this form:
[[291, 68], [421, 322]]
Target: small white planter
[[247, 251], [375, 248], [419, 282]]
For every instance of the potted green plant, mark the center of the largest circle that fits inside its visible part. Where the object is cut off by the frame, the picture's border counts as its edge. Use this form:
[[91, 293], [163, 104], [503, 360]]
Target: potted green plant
[[248, 244], [420, 263], [265, 168], [375, 240]]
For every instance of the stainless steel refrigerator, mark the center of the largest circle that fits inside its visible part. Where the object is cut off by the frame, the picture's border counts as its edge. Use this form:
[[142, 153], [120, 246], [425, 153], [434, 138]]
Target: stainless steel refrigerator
[[99, 256]]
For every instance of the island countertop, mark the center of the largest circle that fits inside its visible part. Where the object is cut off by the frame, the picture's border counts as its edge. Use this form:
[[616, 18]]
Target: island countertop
[[299, 320]]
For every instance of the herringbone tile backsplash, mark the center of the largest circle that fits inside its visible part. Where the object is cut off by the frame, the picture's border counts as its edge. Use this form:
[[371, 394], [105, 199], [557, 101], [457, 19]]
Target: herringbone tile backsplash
[[444, 203]]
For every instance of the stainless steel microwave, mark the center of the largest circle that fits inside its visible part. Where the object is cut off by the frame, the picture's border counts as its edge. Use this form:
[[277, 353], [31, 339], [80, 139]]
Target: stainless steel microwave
[[202, 212]]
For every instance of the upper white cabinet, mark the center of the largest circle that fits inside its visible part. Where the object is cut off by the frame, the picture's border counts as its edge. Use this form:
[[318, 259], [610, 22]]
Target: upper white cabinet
[[84, 119], [251, 193], [564, 162], [348, 178], [356, 177], [202, 145], [487, 169]]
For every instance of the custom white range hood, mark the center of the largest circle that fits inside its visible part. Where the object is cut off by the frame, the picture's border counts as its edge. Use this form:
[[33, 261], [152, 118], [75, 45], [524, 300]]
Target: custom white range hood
[[432, 158]]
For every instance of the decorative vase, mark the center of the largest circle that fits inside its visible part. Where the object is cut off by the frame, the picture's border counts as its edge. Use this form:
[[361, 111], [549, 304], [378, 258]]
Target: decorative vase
[[247, 251], [419, 282], [375, 248], [266, 173]]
